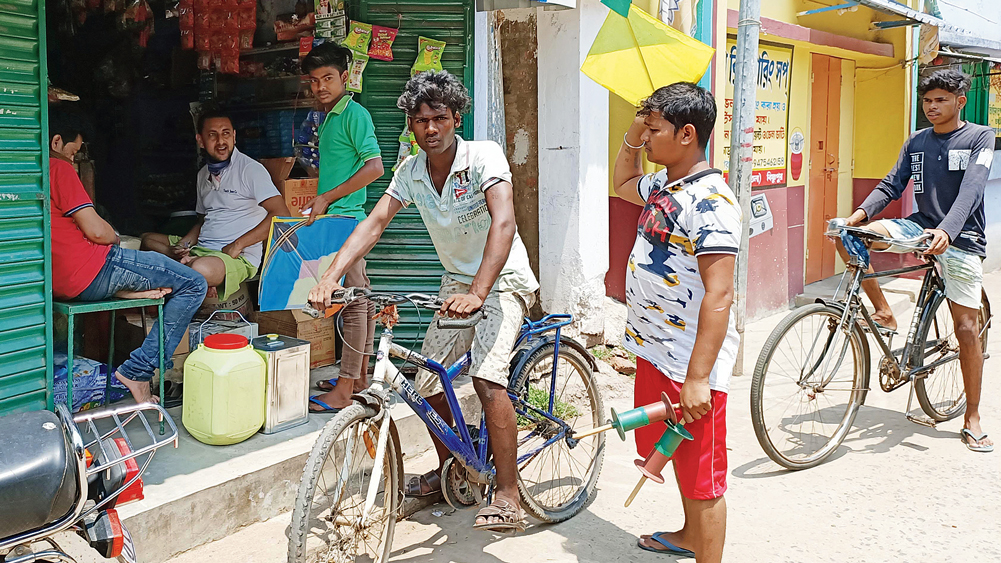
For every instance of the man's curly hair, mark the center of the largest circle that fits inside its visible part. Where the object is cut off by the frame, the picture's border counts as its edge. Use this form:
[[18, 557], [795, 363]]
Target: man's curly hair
[[437, 89], [949, 79]]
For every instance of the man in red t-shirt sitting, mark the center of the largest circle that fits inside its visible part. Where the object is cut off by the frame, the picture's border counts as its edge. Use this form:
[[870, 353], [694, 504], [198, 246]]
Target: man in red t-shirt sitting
[[88, 264]]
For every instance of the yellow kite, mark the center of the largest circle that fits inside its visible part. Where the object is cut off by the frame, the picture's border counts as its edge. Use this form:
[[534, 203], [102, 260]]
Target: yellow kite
[[634, 56]]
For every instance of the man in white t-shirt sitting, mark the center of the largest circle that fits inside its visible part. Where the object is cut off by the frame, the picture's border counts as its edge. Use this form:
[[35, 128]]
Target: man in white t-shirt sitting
[[463, 192], [236, 202]]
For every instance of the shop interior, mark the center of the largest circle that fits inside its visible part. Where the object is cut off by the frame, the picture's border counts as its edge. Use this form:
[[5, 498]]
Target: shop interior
[[139, 85], [140, 71]]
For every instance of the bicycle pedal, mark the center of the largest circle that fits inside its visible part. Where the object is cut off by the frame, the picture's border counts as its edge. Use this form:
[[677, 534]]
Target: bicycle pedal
[[922, 421]]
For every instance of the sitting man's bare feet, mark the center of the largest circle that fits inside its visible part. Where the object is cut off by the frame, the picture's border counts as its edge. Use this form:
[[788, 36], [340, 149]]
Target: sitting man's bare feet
[[140, 389], [148, 294]]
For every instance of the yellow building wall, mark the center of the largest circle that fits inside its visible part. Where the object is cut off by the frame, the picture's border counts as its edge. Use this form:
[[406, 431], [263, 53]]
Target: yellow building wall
[[875, 92], [875, 95], [882, 119]]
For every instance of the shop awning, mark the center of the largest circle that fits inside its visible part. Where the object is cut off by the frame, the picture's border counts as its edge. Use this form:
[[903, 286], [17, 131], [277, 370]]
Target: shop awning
[[984, 35], [909, 16], [488, 5], [990, 55]]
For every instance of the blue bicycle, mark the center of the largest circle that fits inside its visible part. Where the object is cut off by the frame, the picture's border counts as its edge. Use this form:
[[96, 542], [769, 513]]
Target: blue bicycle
[[350, 496]]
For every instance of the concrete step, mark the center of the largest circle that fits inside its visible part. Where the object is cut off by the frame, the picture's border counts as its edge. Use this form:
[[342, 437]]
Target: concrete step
[[197, 493]]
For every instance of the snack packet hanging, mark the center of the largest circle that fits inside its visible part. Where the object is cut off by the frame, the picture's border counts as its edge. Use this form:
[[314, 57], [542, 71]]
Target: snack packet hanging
[[359, 37], [358, 63], [382, 43], [429, 52], [408, 146]]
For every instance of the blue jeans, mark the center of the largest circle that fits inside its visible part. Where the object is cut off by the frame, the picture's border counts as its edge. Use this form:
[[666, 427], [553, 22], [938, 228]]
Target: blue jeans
[[132, 270]]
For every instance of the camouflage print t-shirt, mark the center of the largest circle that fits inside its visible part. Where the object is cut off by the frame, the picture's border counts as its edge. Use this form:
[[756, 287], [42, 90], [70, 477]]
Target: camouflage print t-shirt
[[695, 215]]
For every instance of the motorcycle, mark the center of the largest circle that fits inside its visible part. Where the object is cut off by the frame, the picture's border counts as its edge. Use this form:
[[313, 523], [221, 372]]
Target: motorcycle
[[60, 473]]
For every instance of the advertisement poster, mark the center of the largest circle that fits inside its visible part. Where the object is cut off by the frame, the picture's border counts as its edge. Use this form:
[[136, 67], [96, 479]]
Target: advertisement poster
[[994, 104], [771, 111]]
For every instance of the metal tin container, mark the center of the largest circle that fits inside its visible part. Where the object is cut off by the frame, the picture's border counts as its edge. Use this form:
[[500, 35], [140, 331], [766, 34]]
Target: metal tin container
[[287, 389]]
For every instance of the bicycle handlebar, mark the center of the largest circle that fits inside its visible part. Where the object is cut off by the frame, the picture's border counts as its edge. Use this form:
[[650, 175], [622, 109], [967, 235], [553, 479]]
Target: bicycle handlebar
[[430, 302], [835, 227]]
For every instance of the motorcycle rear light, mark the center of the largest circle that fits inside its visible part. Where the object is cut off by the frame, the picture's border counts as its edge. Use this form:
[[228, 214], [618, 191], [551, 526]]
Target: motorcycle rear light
[[110, 482], [103, 531], [135, 491]]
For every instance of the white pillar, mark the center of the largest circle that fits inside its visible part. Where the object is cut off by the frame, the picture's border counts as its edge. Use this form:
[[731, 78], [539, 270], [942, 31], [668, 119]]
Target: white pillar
[[481, 82], [573, 168]]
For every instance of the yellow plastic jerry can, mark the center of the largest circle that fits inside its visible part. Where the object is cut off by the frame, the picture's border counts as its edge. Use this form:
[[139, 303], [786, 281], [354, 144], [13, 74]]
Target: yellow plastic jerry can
[[224, 390]]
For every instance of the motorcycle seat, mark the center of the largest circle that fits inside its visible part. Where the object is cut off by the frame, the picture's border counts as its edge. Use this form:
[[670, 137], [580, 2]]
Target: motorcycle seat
[[38, 472]]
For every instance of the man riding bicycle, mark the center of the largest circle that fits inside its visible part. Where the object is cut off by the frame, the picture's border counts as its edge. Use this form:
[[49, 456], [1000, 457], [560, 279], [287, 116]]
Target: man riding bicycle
[[463, 192], [949, 164]]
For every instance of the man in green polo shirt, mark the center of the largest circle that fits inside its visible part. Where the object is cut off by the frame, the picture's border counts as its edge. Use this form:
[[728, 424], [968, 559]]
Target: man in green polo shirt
[[350, 160]]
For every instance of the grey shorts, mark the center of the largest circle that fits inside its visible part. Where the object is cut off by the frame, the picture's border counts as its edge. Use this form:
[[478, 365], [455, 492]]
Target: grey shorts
[[490, 341], [963, 272]]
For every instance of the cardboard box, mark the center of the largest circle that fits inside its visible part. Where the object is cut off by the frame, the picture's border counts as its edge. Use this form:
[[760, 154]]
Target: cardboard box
[[296, 191], [319, 333], [240, 302], [129, 335]]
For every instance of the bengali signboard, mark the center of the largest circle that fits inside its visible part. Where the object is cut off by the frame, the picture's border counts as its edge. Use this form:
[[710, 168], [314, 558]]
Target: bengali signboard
[[771, 113], [994, 104]]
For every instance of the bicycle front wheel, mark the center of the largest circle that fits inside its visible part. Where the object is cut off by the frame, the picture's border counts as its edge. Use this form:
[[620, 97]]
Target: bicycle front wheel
[[327, 524], [941, 393], [808, 384], [557, 476]]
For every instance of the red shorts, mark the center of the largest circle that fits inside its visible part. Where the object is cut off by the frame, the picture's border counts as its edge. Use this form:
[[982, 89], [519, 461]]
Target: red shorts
[[700, 464]]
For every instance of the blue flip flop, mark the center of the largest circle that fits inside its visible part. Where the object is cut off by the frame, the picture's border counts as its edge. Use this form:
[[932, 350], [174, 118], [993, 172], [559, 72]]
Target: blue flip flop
[[327, 409], [332, 382], [965, 435], [670, 548]]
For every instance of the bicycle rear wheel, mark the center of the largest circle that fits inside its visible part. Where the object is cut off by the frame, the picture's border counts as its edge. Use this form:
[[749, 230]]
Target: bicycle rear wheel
[[557, 477], [942, 394], [808, 384], [331, 497]]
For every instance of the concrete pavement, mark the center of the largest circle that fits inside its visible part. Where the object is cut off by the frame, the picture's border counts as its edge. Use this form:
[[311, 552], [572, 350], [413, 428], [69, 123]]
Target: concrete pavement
[[895, 492]]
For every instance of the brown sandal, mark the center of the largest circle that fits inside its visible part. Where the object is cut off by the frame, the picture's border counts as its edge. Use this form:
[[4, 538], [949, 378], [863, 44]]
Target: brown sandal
[[512, 518], [417, 483]]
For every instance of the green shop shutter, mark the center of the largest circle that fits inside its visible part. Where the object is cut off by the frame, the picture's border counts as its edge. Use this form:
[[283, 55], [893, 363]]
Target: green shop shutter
[[25, 275], [978, 98], [405, 260]]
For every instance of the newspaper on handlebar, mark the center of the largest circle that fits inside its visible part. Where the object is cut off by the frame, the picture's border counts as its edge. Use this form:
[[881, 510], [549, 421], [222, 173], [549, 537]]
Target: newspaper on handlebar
[[838, 227]]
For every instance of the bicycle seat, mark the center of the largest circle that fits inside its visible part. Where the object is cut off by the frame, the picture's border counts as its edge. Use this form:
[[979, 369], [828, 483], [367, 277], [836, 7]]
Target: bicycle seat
[[38, 479]]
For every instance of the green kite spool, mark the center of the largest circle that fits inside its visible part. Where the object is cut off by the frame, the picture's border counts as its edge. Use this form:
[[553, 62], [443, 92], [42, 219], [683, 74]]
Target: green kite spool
[[642, 416]]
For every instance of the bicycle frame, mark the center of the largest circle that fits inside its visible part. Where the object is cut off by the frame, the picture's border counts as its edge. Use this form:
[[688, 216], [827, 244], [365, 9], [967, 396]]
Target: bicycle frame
[[905, 357], [461, 444]]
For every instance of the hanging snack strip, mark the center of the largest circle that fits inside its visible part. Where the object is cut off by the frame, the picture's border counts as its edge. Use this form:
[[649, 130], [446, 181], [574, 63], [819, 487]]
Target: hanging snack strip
[[358, 39], [358, 64], [334, 29], [330, 19], [218, 30]]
